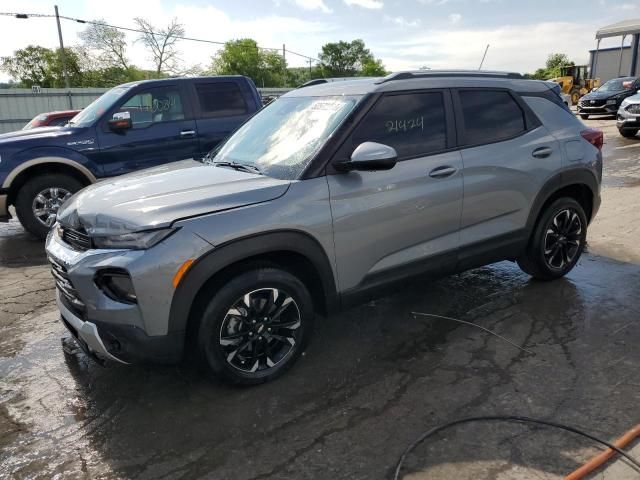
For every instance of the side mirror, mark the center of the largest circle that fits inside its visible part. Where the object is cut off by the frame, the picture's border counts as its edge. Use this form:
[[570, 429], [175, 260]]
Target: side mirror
[[369, 156], [594, 89], [120, 121]]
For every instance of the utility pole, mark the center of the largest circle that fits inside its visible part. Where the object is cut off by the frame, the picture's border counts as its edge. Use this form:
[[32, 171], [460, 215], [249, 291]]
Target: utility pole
[[62, 56], [309, 69], [284, 66]]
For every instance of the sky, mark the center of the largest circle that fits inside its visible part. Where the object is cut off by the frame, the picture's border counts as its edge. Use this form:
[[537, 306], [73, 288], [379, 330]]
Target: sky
[[405, 34]]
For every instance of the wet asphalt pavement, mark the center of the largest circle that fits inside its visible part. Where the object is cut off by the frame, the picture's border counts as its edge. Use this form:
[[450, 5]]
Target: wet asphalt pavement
[[373, 379]]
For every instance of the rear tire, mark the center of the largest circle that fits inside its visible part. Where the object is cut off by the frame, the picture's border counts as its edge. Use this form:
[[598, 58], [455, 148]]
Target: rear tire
[[39, 199], [627, 133], [584, 116], [557, 241], [256, 326]]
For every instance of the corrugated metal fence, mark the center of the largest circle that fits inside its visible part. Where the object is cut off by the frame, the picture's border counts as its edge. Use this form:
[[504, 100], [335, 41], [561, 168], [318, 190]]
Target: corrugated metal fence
[[19, 105]]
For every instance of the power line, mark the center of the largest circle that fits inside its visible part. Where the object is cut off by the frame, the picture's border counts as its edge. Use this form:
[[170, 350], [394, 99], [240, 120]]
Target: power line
[[136, 30]]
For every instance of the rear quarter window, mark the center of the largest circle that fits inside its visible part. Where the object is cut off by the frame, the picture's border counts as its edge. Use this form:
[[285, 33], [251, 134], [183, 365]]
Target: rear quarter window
[[220, 99], [490, 116]]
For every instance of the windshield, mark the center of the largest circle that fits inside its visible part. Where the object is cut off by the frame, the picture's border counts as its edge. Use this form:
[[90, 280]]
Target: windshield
[[100, 105], [617, 84], [282, 138]]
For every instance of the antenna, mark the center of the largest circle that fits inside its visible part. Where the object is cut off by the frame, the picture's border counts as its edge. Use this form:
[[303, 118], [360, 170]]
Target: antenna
[[483, 57]]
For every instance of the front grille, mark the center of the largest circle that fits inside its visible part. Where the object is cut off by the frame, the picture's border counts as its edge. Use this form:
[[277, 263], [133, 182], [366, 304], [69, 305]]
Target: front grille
[[63, 282], [76, 239], [596, 103]]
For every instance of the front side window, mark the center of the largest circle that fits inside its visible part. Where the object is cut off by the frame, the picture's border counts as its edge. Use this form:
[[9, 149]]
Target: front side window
[[98, 107], [220, 99], [413, 124], [490, 116], [283, 138], [154, 105]]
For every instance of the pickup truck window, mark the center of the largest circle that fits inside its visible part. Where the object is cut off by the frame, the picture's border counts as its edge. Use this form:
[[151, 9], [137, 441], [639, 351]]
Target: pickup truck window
[[220, 99], [96, 108], [154, 105]]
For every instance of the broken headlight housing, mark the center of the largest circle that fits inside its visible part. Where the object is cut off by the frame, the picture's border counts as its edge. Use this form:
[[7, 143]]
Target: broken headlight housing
[[132, 240]]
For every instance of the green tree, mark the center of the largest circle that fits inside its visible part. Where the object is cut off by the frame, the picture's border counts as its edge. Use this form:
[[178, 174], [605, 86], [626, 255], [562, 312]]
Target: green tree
[[348, 59], [35, 65], [554, 62], [243, 57]]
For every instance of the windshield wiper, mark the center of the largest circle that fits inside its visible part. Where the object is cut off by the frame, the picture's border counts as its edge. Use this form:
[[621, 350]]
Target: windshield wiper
[[245, 167]]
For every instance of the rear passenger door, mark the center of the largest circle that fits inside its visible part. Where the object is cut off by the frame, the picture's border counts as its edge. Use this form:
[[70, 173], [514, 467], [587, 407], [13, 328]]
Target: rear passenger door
[[222, 105], [507, 157], [391, 223]]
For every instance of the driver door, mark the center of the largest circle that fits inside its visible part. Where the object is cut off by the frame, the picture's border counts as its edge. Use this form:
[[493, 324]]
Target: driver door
[[405, 220], [162, 130]]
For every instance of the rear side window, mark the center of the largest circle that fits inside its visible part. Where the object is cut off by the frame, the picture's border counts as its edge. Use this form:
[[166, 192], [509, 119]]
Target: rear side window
[[412, 123], [220, 99], [490, 116]]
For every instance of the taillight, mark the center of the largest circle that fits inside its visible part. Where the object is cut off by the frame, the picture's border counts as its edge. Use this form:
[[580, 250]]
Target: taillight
[[594, 136]]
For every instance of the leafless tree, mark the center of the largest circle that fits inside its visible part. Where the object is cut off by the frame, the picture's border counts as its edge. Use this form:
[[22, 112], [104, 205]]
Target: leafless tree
[[162, 44], [109, 43]]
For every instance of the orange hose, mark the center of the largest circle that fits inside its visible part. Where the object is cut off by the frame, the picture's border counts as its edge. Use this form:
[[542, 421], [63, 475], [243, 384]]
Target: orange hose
[[598, 460]]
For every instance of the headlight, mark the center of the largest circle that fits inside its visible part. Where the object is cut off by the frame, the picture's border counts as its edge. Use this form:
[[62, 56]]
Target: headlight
[[133, 240], [634, 108]]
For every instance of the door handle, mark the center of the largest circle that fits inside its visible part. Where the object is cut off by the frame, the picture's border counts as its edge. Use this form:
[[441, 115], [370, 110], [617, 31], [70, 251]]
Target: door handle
[[442, 172], [187, 133], [542, 152]]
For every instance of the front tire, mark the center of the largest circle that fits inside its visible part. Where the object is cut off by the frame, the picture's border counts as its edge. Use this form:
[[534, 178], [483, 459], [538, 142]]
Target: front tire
[[628, 133], [584, 116], [557, 242], [256, 326], [39, 199], [575, 96]]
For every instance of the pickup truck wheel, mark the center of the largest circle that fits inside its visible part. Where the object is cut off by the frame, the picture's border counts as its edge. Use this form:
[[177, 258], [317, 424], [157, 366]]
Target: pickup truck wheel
[[256, 326], [557, 241], [628, 133], [39, 199]]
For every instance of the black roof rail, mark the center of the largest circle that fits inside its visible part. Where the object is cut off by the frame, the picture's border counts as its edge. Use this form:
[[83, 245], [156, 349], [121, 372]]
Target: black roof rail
[[448, 73]]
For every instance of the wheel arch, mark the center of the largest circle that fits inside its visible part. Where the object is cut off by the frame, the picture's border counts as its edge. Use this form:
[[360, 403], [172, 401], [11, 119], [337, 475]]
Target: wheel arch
[[41, 165], [579, 184], [294, 251]]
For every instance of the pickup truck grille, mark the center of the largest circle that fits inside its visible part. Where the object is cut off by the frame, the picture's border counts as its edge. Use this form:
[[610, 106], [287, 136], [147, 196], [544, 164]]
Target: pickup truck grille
[[76, 239], [63, 282]]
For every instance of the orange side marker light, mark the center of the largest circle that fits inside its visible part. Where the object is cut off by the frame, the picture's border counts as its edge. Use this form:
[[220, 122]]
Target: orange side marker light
[[177, 278]]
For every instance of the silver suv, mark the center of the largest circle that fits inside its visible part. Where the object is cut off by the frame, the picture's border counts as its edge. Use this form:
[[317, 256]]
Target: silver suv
[[323, 199]]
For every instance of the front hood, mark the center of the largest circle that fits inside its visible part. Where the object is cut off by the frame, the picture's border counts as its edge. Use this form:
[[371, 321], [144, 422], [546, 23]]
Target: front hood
[[633, 99], [36, 134], [597, 95], [157, 197]]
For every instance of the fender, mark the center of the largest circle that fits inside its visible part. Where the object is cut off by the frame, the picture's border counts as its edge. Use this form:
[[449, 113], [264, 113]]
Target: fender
[[38, 156], [574, 176], [236, 250]]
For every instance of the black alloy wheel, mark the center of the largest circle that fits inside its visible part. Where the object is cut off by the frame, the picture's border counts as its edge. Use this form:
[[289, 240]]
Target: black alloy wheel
[[256, 325], [260, 330], [563, 239]]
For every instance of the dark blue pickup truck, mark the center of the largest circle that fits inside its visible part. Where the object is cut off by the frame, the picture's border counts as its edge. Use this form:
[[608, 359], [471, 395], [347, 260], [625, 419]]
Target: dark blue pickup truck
[[132, 126]]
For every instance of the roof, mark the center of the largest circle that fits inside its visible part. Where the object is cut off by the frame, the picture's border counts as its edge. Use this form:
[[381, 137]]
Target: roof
[[626, 27], [421, 79]]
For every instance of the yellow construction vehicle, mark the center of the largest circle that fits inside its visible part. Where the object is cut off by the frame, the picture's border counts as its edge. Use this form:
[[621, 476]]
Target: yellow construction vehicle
[[573, 81]]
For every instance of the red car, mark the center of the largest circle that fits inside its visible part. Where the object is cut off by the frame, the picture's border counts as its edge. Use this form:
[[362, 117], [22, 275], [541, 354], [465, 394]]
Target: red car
[[51, 119]]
